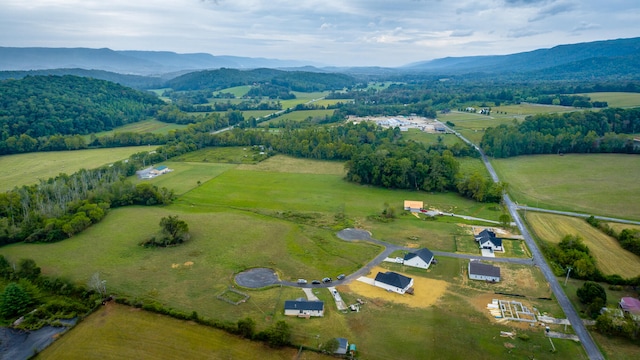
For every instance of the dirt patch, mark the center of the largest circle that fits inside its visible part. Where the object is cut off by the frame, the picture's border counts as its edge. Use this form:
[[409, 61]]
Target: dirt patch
[[500, 232], [426, 291], [188, 263]]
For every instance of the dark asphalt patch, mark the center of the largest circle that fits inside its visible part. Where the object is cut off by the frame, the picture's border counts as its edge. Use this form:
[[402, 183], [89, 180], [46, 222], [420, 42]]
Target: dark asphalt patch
[[257, 278], [354, 234]]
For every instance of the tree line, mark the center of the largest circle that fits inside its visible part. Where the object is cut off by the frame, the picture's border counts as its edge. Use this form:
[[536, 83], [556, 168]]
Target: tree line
[[606, 131], [629, 239]]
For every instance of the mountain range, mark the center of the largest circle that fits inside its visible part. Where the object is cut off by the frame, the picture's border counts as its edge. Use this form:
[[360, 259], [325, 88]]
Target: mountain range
[[618, 58]]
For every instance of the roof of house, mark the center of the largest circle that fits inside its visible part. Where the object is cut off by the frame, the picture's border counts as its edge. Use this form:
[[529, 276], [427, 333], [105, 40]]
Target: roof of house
[[303, 305], [393, 279], [486, 232], [495, 241], [413, 204], [478, 268], [630, 304], [425, 254]]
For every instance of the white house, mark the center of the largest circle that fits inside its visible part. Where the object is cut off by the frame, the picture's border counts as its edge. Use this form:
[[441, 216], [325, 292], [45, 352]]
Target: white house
[[392, 281], [420, 259], [487, 240], [480, 271], [303, 308]]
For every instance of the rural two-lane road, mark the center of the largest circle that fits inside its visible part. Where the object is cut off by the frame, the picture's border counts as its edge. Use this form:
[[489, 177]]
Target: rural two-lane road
[[585, 338]]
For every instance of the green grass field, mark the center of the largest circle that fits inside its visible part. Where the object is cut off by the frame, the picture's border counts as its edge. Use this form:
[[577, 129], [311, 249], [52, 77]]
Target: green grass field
[[301, 115], [146, 126], [121, 332], [616, 99], [238, 91], [26, 169], [599, 184]]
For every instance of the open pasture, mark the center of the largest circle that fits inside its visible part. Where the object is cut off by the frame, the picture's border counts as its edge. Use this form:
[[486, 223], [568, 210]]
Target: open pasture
[[121, 332], [224, 155], [142, 127], [429, 138], [610, 256], [187, 175], [616, 99], [188, 277], [599, 184], [238, 91], [288, 164], [26, 169], [302, 98]]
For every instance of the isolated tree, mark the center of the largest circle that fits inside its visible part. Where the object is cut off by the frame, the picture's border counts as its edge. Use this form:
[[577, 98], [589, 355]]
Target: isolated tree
[[505, 221], [27, 269], [590, 291], [174, 230], [14, 300], [279, 334]]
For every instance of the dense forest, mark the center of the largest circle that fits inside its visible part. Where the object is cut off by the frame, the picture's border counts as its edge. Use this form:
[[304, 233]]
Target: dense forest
[[38, 106], [576, 132]]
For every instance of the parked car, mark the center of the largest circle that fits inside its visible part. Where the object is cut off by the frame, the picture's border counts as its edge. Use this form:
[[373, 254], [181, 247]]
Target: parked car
[[326, 280], [316, 282], [340, 277], [302, 281]]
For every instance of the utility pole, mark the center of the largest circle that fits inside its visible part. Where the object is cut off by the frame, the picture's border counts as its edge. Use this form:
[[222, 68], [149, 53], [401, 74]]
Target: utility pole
[[567, 278]]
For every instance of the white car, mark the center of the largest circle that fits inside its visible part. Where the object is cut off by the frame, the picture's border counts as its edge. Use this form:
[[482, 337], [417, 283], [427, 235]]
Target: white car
[[302, 281]]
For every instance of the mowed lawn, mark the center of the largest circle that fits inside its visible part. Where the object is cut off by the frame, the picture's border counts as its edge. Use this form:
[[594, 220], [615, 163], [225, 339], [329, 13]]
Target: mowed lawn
[[599, 184], [610, 256], [26, 169], [122, 332]]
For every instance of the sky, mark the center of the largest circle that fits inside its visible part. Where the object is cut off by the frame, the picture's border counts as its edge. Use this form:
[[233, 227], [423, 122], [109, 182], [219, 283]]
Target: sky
[[329, 32]]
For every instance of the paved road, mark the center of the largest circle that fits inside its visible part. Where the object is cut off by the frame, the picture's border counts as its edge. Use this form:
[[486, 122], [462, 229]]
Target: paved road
[[585, 338]]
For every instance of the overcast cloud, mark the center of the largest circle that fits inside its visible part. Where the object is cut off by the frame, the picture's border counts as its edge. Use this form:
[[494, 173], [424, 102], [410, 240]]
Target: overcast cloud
[[331, 32]]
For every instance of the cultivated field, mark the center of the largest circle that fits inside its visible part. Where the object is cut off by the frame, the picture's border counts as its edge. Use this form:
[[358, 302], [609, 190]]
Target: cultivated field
[[599, 184], [26, 169], [610, 257], [121, 332]]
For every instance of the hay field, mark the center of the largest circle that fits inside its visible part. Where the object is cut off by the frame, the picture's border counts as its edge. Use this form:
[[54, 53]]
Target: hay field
[[616, 99], [599, 184], [288, 164], [610, 256], [145, 126], [122, 332], [26, 169], [427, 291]]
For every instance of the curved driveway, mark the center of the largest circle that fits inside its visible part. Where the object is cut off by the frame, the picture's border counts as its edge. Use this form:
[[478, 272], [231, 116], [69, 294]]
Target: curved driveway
[[585, 338]]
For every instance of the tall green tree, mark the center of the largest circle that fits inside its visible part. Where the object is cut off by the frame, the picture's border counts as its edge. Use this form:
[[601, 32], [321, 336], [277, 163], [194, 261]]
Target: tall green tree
[[14, 301], [174, 230]]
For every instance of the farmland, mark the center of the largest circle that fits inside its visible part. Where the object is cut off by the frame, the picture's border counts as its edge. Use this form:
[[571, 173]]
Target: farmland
[[616, 99], [26, 169], [574, 182], [610, 256], [145, 126]]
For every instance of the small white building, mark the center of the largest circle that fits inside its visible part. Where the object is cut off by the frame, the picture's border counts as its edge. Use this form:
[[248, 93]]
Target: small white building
[[303, 308], [486, 272], [392, 281], [420, 259]]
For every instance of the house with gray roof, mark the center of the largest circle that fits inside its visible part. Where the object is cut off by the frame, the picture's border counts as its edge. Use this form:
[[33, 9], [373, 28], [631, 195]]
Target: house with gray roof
[[303, 308], [487, 240], [481, 271], [392, 281], [420, 259]]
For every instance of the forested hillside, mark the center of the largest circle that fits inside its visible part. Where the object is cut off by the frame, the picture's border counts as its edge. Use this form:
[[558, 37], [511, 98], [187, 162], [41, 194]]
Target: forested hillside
[[291, 80], [38, 106]]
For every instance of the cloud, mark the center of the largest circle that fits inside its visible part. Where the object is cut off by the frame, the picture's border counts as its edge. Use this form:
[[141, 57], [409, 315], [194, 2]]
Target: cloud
[[585, 26], [523, 32], [552, 10], [461, 33]]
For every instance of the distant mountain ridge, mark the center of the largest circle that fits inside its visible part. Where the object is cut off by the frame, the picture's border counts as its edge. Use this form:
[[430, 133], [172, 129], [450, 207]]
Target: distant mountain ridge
[[534, 60], [133, 62]]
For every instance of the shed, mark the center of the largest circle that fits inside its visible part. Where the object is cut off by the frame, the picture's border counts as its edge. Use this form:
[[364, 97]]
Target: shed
[[413, 206], [303, 308], [343, 346], [480, 271], [393, 281], [420, 259]]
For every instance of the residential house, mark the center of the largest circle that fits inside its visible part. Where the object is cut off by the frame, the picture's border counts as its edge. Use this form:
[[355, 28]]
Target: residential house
[[303, 308], [420, 259], [630, 305], [487, 240], [480, 271], [392, 281]]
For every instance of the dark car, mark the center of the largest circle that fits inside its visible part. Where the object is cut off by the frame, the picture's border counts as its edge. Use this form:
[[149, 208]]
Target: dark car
[[340, 277], [326, 280], [316, 282]]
